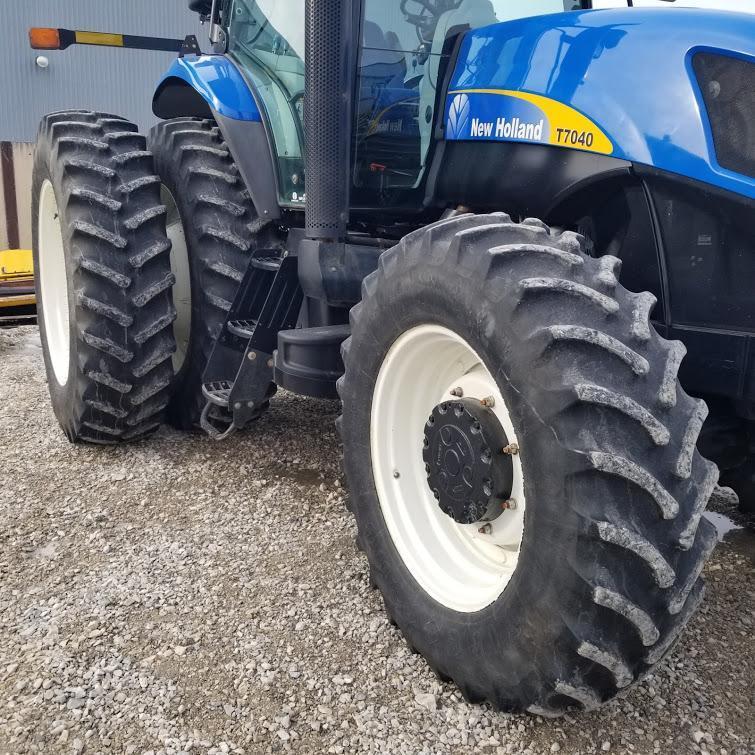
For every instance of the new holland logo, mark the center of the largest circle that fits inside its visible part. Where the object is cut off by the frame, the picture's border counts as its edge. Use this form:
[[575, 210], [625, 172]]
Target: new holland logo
[[458, 117]]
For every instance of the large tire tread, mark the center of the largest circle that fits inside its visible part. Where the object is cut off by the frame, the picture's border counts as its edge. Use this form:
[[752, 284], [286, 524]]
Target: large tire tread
[[222, 231], [612, 399], [122, 311]]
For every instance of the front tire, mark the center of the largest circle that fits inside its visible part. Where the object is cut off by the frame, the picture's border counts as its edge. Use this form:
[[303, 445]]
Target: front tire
[[602, 553], [103, 277]]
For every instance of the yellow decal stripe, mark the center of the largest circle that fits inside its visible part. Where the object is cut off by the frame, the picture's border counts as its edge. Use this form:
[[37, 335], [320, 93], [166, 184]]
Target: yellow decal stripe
[[568, 127], [99, 38]]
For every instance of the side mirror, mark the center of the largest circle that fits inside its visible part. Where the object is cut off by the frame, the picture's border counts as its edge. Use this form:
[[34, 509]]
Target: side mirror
[[209, 10], [203, 7]]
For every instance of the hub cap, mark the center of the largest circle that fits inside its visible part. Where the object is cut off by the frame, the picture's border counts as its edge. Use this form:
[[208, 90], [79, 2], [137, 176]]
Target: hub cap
[[467, 471], [464, 566]]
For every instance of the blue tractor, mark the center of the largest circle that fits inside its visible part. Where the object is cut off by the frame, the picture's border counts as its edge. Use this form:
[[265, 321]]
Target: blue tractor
[[493, 229]]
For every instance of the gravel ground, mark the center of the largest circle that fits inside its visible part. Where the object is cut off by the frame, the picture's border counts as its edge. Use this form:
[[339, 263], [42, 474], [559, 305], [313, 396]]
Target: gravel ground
[[182, 595]]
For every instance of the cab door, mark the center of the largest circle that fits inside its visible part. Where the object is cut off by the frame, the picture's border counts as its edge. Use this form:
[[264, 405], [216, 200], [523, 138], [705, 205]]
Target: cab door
[[266, 39]]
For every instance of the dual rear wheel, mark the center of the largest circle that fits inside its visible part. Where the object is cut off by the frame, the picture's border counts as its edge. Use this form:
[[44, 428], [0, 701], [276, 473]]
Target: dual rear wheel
[[140, 247]]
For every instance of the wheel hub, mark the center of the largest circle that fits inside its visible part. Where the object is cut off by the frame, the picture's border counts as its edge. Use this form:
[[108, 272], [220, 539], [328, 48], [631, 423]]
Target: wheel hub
[[467, 470]]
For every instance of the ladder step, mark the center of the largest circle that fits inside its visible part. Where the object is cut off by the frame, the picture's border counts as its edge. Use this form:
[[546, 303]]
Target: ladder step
[[267, 263], [242, 328], [218, 393]]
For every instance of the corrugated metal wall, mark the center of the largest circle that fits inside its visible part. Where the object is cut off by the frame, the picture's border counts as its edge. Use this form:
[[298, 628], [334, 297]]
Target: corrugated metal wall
[[110, 80], [97, 78]]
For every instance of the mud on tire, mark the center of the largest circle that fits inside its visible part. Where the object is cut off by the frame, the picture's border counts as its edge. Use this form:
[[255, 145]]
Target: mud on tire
[[117, 276], [614, 543], [222, 232]]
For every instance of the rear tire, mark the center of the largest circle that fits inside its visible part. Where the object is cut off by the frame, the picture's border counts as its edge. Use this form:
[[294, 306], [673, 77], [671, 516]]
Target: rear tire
[[103, 277], [606, 573], [221, 230]]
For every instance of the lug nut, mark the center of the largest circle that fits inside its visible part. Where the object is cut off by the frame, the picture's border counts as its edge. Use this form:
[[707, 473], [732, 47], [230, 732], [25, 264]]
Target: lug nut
[[486, 529], [511, 450], [396, 474], [252, 355], [458, 392], [489, 402], [508, 505]]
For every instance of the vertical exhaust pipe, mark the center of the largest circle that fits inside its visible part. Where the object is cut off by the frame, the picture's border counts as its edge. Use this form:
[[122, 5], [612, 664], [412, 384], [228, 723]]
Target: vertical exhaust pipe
[[330, 42]]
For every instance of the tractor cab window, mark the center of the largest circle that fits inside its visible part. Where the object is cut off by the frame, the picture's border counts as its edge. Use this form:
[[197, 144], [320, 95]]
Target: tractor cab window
[[267, 40], [402, 62]]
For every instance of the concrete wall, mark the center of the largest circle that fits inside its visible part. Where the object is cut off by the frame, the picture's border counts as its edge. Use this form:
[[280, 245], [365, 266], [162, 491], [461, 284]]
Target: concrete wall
[[105, 79]]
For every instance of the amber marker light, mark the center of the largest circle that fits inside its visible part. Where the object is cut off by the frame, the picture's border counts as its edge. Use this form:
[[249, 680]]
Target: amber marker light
[[44, 39], [41, 38]]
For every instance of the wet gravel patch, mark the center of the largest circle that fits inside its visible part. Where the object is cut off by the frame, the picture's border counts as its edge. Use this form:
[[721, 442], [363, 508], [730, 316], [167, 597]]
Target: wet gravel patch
[[181, 595]]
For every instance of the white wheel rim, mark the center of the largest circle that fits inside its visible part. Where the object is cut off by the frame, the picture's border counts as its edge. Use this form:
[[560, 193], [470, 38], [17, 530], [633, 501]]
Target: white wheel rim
[[53, 283], [179, 265], [456, 564]]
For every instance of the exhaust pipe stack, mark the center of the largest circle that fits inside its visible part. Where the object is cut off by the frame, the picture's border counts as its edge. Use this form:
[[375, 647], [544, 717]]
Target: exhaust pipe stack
[[330, 42]]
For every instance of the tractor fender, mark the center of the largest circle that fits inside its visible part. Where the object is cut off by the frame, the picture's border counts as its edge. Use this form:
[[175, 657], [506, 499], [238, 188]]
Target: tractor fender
[[215, 78], [619, 83], [212, 86]]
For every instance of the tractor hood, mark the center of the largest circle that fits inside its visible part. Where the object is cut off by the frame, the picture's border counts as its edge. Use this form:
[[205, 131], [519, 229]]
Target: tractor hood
[[625, 83]]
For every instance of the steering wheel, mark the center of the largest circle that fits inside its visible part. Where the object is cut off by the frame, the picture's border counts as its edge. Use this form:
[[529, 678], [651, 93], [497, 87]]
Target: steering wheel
[[424, 21], [427, 18]]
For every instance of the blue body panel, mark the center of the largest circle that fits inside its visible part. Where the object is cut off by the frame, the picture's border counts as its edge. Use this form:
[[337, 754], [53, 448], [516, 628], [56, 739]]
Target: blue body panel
[[627, 72], [217, 79]]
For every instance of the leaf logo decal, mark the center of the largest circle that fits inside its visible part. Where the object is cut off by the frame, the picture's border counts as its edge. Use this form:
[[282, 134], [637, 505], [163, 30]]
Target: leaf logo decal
[[458, 117]]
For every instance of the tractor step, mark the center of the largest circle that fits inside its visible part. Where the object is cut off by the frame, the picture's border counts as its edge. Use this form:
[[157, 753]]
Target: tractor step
[[218, 393], [239, 373], [271, 263], [242, 328]]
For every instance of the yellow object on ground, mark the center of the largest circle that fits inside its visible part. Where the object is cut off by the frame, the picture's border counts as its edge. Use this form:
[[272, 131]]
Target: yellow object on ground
[[16, 278], [16, 262]]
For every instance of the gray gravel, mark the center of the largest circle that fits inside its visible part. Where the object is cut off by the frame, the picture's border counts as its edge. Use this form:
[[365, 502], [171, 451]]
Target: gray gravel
[[186, 596]]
